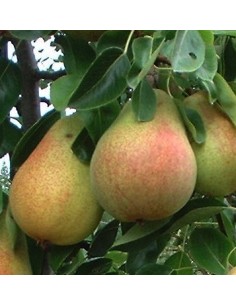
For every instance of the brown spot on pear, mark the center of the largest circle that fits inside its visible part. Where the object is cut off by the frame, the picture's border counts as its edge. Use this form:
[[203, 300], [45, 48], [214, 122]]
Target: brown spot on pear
[[144, 170], [216, 157], [50, 196]]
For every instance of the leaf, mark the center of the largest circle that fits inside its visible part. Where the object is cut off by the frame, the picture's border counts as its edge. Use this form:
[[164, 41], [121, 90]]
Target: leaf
[[144, 102], [36, 256], [104, 239], [180, 262], [12, 229], [146, 50], [228, 220], [62, 89], [225, 97], [95, 266], [139, 235], [209, 248], [104, 81], [98, 120], [137, 259], [31, 139], [229, 59], [78, 54], [154, 269], [83, 146], [11, 135], [30, 35], [207, 36], [192, 121], [225, 32], [10, 86], [188, 51], [57, 256], [112, 38]]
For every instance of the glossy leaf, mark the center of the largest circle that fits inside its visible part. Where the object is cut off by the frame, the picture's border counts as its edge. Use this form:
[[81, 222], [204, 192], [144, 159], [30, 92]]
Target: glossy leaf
[[10, 86], [57, 256], [209, 67], [144, 102], [225, 32], [30, 35], [95, 266], [11, 135], [188, 51], [146, 50], [181, 263], [98, 120], [137, 259], [104, 81], [207, 36], [192, 121], [225, 97], [31, 139], [62, 89], [114, 38], [154, 269], [78, 54], [104, 239], [210, 248]]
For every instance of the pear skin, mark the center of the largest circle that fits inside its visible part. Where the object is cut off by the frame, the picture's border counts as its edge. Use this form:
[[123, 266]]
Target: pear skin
[[50, 196], [14, 260], [216, 157], [144, 170]]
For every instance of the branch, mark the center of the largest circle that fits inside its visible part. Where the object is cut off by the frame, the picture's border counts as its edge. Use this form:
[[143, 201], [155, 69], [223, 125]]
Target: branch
[[30, 107], [49, 75]]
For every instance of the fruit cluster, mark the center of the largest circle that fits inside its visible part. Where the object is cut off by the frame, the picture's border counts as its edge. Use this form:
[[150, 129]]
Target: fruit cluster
[[139, 171]]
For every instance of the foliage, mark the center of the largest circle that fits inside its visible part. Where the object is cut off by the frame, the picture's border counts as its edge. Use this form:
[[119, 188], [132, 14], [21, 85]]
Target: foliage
[[99, 77]]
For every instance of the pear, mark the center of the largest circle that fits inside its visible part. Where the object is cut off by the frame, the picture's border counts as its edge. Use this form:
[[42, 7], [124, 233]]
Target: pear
[[216, 157], [14, 259], [232, 271], [50, 196], [144, 170]]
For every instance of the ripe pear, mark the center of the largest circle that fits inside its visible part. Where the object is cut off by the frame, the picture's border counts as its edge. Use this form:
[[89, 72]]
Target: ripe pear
[[14, 259], [50, 196], [216, 157], [144, 170]]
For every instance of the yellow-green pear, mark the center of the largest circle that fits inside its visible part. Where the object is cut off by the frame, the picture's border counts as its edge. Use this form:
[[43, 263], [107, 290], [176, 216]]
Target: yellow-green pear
[[50, 196], [144, 170], [14, 259], [216, 157], [232, 271]]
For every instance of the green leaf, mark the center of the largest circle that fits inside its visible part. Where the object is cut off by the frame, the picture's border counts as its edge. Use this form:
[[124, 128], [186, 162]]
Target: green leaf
[[95, 266], [209, 67], [83, 146], [104, 239], [144, 102], [62, 89], [192, 121], [137, 259], [31, 139], [209, 248], [146, 50], [139, 235], [225, 32], [36, 256], [11, 136], [98, 120], [195, 210], [57, 256], [104, 81], [78, 54], [154, 269], [229, 59], [188, 51], [225, 97], [10, 86], [207, 36], [12, 229], [112, 38], [30, 35], [228, 221], [181, 263]]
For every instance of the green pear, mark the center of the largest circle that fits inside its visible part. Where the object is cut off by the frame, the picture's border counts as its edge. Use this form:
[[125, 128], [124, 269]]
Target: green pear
[[14, 259], [144, 170], [216, 157], [50, 196]]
